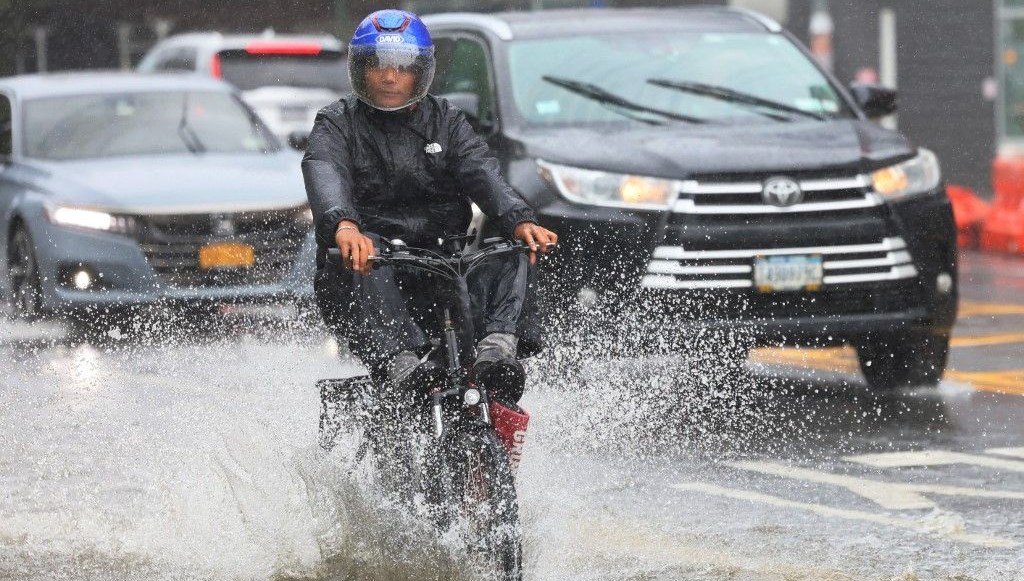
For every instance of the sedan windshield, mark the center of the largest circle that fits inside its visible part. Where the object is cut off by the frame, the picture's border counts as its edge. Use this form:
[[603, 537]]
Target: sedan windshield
[[113, 125], [677, 76]]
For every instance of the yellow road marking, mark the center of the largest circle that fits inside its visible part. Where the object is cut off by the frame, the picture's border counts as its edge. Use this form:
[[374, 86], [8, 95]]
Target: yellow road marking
[[983, 340], [843, 360], [1009, 382], [977, 308]]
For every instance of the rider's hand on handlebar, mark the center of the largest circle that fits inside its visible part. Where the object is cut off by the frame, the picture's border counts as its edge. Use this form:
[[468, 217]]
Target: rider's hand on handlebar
[[355, 247], [537, 238]]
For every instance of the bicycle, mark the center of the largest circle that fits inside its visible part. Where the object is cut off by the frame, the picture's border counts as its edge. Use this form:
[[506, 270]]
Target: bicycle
[[452, 456]]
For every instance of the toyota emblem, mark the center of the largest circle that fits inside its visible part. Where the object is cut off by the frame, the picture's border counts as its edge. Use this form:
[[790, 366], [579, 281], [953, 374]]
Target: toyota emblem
[[781, 191]]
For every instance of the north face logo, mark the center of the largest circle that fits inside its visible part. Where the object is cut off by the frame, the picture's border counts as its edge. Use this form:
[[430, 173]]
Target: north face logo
[[432, 148]]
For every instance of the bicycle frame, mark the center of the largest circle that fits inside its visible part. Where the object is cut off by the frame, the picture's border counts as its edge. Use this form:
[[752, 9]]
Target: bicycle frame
[[455, 268]]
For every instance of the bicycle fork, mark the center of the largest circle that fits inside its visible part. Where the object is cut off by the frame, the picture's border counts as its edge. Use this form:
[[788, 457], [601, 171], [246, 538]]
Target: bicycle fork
[[470, 395]]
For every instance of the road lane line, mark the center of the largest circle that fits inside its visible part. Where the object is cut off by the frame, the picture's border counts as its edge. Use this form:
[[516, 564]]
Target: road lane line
[[1015, 452], [986, 340], [890, 495], [977, 308], [934, 458], [1008, 382], [919, 527], [843, 360]]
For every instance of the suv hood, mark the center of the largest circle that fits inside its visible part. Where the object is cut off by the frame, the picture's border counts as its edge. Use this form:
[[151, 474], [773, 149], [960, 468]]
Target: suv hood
[[674, 151], [177, 184]]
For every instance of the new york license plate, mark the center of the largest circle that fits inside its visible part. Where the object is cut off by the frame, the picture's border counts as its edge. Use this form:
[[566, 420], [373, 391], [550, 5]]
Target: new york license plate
[[226, 255], [786, 273]]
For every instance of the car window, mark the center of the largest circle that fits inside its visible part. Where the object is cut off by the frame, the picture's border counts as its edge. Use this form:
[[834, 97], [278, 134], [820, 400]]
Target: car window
[[718, 77], [125, 124], [318, 69], [468, 70], [177, 59], [6, 127], [443, 56]]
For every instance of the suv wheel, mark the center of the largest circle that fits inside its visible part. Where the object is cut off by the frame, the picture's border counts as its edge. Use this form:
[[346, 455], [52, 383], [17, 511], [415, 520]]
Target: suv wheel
[[910, 359]]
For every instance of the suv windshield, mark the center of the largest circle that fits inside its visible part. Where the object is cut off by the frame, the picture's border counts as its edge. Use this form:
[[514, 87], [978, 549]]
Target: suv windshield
[[91, 126], [327, 70], [679, 76]]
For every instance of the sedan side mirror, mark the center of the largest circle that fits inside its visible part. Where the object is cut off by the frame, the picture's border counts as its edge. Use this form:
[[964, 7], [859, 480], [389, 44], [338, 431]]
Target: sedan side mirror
[[299, 140], [875, 100], [469, 103]]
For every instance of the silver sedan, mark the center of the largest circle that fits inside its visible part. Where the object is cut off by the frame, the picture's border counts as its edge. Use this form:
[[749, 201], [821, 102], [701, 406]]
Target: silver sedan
[[127, 189]]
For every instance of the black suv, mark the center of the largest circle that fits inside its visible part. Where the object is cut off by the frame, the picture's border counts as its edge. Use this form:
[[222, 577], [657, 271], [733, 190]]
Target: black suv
[[700, 160]]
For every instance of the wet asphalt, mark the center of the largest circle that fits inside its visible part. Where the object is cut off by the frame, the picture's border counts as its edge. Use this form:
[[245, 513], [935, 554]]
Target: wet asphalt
[[184, 450]]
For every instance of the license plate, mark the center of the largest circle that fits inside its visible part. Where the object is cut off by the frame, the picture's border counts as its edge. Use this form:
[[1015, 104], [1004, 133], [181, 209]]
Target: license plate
[[226, 255], [783, 273]]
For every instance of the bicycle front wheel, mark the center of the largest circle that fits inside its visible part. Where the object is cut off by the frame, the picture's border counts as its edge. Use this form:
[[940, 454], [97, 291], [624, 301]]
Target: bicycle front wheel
[[478, 497]]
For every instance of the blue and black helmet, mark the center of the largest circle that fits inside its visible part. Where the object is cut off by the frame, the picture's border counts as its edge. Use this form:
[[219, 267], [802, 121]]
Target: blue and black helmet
[[391, 39]]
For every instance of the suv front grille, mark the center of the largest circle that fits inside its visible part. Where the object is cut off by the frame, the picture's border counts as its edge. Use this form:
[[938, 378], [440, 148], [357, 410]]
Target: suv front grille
[[829, 194], [673, 267], [172, 244]]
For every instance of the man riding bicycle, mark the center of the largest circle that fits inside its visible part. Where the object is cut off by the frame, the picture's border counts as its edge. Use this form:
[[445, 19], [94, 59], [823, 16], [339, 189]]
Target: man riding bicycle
[[393, 162]]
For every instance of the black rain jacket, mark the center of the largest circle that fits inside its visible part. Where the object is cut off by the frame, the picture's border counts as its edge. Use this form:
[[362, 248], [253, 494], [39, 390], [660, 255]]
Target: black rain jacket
[[408, 174]]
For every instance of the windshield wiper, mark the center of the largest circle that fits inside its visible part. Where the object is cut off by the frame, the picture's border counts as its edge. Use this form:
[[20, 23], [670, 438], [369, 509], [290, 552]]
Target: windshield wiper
[[185, 131], [605, 97], [732, 96]]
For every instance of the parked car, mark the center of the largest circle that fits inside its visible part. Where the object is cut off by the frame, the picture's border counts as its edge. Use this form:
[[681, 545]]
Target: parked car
[[701, 164], [124, 189], [285, 78]]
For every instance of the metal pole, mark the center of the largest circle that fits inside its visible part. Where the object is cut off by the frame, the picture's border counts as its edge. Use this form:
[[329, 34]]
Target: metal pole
[[124, 45], [888, 56], [39, 34]]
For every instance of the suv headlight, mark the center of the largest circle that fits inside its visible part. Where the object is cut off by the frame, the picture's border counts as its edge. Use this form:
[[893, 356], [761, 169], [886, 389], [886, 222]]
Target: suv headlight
[[587, 186], [91, 219], [914, 176]]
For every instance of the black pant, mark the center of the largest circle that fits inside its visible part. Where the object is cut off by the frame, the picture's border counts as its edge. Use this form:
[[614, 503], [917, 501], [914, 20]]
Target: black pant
[[391, 310]]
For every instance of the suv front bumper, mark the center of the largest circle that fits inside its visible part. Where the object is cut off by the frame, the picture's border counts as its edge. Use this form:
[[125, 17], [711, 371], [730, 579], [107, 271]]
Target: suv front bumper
[[888, 268]]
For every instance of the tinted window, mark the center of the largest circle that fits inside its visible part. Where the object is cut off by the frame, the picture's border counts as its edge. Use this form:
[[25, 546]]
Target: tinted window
[[327, 69], [5, 126], [467, 70], [765, 66], [89, 126], [177, 59]]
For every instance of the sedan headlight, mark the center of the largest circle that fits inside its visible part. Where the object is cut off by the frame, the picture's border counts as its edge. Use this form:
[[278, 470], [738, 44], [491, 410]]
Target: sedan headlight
[[587, 186], [91, 219], [914, 176]]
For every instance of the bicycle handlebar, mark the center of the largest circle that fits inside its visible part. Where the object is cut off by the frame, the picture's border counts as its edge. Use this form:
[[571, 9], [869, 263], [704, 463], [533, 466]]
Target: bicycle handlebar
[[436, 262]]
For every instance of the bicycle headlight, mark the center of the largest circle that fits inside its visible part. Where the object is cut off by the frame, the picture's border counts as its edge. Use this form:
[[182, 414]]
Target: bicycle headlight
[[914, 176], [587, 186]]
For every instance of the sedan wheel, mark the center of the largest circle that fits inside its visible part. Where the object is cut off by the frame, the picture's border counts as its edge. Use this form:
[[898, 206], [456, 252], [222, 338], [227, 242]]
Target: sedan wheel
[[23, 271]]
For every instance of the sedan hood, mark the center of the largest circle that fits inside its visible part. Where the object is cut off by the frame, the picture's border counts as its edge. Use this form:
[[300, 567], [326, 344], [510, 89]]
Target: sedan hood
[[675, 151], [178, 184]]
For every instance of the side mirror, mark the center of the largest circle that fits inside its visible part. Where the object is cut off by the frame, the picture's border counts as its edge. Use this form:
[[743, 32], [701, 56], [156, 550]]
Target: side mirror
[[470, 105], [875, 100], [299, 140]]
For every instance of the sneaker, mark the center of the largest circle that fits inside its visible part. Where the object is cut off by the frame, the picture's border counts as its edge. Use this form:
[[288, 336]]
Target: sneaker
[[497, 369], [410, 376]]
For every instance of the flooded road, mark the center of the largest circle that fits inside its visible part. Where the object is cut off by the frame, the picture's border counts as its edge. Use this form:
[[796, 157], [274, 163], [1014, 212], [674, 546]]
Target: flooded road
[[190, 453]]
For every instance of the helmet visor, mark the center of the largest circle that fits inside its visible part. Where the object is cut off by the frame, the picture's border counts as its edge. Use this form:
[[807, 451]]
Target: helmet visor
[[391, 77]]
